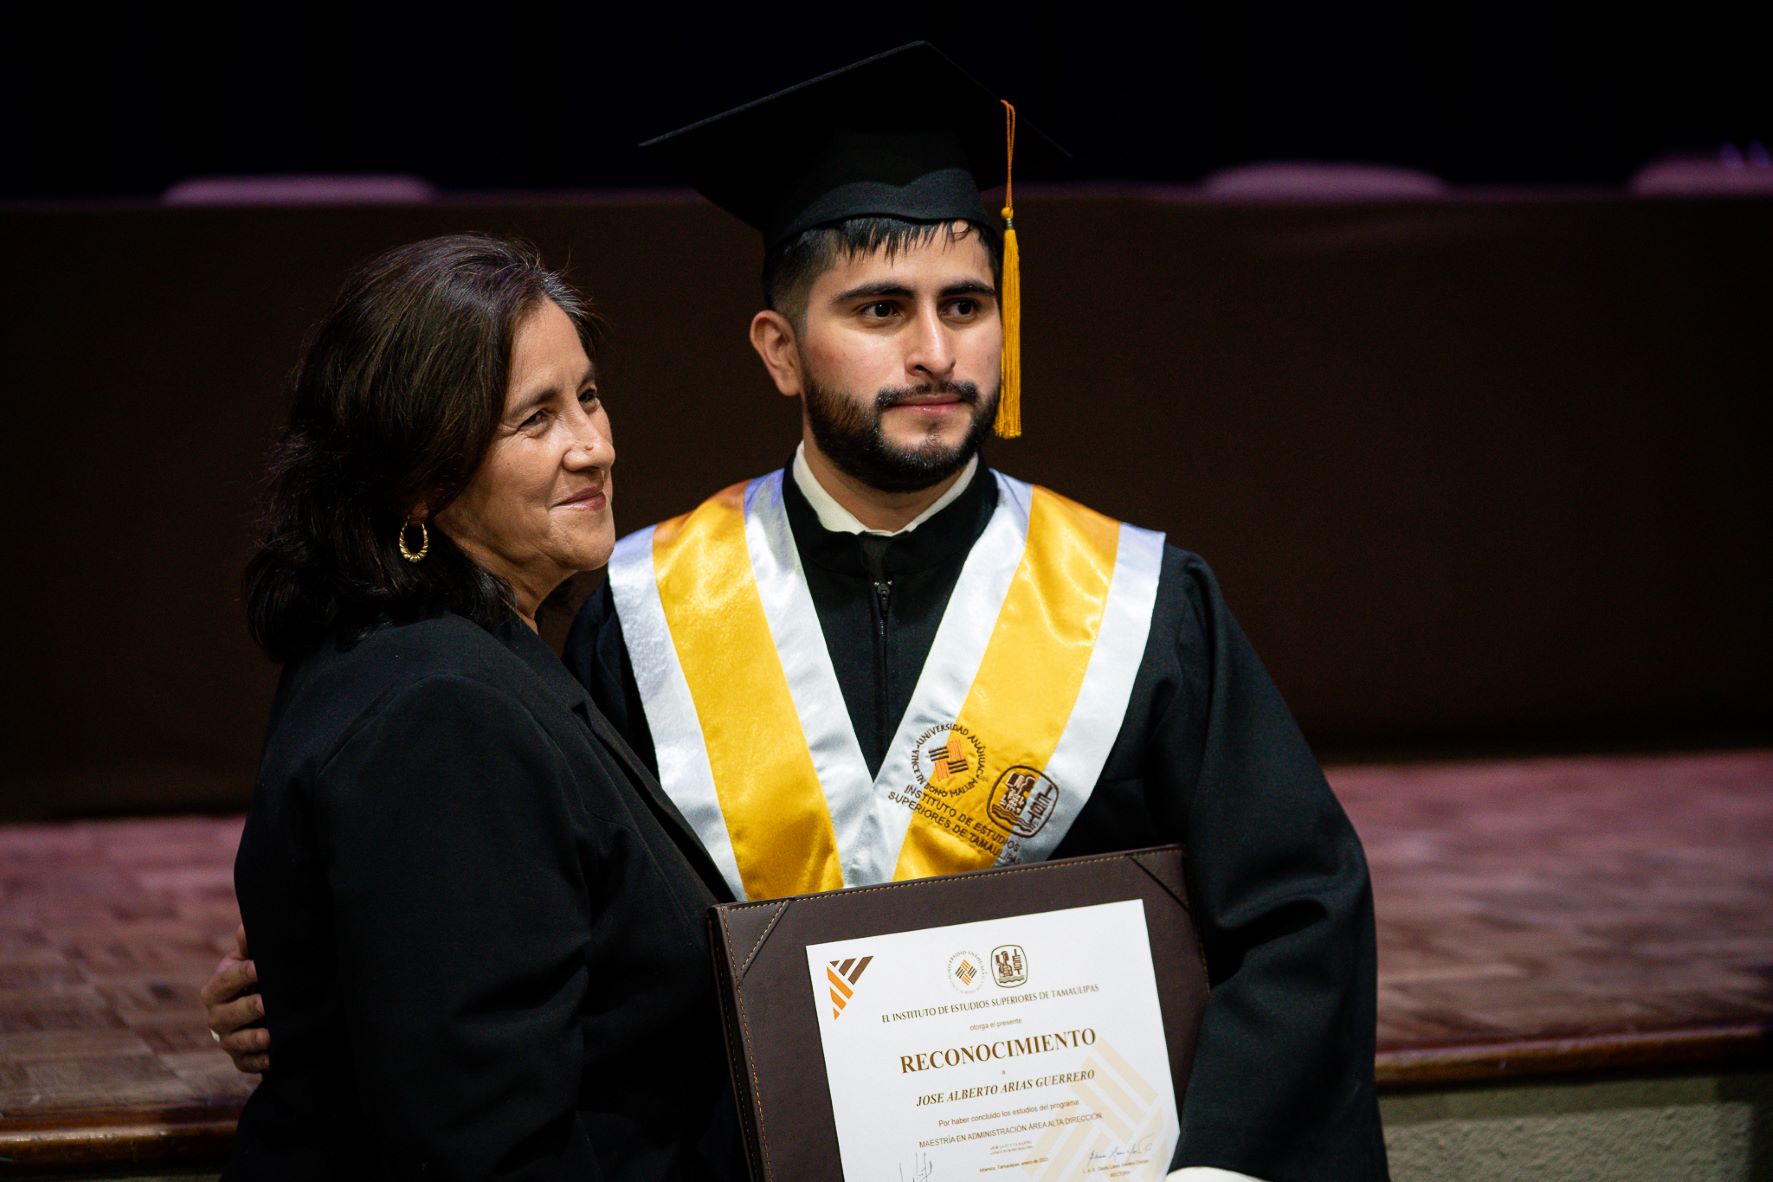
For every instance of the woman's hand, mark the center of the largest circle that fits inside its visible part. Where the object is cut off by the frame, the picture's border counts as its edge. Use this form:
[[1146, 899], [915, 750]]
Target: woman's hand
[[235, 1009]]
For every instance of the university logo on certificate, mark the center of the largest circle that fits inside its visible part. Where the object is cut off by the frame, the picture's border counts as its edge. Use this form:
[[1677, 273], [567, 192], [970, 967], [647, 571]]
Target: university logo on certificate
[[1027, 1047]]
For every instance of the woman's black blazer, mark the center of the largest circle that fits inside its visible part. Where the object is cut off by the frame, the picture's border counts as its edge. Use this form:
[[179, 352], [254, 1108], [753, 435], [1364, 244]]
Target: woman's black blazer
[[479, 928]]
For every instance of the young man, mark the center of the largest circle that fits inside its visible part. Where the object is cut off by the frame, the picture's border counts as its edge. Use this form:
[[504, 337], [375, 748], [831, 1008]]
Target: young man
[[887, 661]]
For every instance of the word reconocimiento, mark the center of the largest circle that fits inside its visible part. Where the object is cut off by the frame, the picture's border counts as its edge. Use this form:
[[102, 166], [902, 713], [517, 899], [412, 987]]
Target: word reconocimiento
[[1003, 1048]]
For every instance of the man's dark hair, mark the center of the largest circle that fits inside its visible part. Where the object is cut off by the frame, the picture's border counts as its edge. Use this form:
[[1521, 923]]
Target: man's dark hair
[[790, 269], [395, 399]]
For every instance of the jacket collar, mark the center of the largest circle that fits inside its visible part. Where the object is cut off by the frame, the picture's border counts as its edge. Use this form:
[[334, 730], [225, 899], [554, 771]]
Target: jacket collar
[[532, 651], [946, 536]]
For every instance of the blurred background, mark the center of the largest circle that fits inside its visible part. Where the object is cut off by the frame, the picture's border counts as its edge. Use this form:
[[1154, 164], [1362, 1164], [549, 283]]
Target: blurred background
[[471, 97], [1444, 336]]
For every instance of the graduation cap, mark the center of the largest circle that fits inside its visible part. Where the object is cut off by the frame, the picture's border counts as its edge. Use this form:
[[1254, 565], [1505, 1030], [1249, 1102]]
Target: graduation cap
[[904, 134]]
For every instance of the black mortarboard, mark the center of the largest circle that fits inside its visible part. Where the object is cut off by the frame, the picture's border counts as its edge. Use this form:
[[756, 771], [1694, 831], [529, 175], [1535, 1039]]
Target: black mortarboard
[[905, 134]]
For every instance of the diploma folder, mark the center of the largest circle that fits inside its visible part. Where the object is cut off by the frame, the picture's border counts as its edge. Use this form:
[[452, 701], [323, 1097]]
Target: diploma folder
[[769, 1009]]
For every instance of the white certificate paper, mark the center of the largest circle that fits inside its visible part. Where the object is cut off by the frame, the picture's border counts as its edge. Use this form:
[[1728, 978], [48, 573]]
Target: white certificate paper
[[1022, 1048]]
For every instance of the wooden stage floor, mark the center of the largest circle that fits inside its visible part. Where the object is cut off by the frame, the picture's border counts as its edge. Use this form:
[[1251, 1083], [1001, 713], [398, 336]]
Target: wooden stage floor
[[1536, 917]]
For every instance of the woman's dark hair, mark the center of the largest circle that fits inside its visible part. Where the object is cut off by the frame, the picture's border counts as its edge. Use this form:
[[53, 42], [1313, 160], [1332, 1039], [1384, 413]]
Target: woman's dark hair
[[395, 400]]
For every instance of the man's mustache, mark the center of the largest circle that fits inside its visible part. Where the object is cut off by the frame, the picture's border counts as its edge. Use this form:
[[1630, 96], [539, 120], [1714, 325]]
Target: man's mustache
[[967, 392]]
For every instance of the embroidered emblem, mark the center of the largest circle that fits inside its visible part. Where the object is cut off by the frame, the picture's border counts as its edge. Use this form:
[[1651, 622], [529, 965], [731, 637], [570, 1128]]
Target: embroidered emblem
[[1022, 801], [948, 759]]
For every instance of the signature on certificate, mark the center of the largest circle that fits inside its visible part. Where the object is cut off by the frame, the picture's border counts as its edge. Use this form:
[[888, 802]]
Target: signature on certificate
[[921, 1167], [1119, 1153]]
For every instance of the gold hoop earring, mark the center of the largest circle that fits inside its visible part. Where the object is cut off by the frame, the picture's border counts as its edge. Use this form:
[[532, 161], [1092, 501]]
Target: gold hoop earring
[[407, 552]]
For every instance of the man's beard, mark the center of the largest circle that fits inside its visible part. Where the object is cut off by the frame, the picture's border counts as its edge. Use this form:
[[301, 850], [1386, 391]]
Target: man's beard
[[851, 435]]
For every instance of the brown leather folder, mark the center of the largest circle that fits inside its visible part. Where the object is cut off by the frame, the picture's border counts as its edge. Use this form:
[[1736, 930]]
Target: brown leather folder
[[766, 994]]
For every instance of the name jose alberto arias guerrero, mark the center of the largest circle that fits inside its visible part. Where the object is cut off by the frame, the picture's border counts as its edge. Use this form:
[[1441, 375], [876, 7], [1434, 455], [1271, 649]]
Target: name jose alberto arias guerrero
[[1003, 1048]]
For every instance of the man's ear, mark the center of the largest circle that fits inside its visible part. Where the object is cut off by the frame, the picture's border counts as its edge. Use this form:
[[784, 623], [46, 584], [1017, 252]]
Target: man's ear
[[772, 335]]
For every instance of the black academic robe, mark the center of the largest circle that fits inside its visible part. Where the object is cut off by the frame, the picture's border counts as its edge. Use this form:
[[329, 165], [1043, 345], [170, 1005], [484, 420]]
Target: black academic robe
[[479, 928], [1208, 756]]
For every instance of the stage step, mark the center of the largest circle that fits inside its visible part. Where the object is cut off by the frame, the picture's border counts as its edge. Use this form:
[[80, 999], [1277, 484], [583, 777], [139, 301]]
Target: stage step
[[1575, 961]]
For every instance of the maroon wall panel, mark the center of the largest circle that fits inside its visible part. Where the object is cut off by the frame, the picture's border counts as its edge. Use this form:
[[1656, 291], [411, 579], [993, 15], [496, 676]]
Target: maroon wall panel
[[1480, 474]]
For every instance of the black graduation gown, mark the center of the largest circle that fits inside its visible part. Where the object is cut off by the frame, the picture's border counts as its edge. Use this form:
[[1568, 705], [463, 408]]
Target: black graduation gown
[[479, 928], [1207, 755]]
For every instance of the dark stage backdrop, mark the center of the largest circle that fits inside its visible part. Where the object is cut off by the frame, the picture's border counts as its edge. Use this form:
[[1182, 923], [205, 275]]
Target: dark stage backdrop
[[1477, 474], [555, 94]]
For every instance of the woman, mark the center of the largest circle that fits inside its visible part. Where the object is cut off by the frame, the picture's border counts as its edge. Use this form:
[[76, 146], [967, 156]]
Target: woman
[[477, 922]]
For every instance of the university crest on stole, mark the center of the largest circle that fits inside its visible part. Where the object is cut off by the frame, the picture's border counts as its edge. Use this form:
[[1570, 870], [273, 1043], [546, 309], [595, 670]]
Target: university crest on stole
[[947, 759], [1022, 801]]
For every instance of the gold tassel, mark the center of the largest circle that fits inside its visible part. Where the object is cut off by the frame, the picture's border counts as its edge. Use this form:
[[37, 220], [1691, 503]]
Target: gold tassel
[[1008, 424]]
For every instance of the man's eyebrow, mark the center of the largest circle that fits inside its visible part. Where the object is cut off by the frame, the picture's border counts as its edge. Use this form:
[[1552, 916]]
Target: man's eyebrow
[[887, 289], [873, 290], [976, 287]]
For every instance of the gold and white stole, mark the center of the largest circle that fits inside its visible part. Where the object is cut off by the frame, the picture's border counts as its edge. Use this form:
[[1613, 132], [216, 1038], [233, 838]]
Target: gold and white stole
[[1007, 729]]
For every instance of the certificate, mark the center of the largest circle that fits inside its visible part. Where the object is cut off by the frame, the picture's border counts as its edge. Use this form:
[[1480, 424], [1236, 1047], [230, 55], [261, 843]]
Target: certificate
[[1024, 1047], [999, 1024]]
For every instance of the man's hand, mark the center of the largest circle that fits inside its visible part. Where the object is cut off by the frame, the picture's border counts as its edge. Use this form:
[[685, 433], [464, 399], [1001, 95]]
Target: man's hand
[[235, 1008]]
